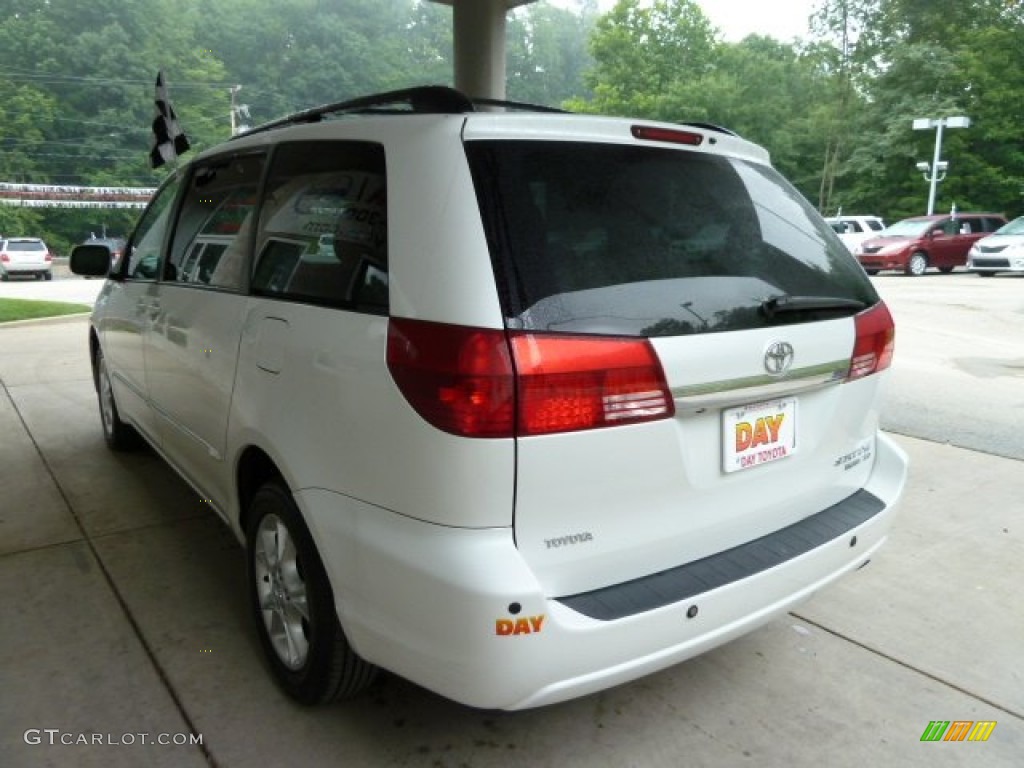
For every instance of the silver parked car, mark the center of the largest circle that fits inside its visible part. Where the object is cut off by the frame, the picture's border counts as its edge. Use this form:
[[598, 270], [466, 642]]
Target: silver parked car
[[1002, 251]]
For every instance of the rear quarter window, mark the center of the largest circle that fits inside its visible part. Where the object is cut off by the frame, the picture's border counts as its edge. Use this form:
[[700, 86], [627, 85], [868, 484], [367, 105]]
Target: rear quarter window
[[642, 241], [323, 226]]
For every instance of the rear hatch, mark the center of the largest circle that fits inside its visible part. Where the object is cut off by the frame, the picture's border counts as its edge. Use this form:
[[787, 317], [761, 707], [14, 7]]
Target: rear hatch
[[744, 419]]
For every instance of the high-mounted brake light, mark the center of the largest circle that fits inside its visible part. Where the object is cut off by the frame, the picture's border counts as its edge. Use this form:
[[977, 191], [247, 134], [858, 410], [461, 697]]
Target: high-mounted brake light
[[477, 382], [872, 349], [668, 135]]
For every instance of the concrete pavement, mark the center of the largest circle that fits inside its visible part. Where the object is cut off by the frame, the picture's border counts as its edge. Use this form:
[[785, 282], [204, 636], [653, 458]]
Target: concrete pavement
[[124, 620]]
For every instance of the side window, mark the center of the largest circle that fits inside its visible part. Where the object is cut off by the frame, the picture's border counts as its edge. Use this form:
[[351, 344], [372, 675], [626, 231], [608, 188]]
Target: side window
[[212, 239], [144, 249], [948, 227], [875, 225], [322, 234], [991, 225], [967, 226]]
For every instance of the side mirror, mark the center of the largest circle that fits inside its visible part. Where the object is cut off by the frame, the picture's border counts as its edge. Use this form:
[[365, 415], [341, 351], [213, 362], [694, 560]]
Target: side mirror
[[90, 260]]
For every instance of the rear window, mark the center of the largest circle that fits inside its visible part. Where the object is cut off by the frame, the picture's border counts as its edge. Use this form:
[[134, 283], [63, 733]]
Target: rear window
[[25, 245], [640, 241]]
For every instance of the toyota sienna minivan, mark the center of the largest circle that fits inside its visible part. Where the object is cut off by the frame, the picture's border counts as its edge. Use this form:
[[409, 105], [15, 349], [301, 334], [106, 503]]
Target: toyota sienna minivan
[[515, 404]]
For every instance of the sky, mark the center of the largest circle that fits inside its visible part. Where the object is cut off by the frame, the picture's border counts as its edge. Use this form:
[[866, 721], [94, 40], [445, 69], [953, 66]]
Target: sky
[[782, 19]]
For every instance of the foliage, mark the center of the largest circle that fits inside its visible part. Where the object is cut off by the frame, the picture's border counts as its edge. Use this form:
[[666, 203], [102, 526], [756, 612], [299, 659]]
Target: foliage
[[547, 53]]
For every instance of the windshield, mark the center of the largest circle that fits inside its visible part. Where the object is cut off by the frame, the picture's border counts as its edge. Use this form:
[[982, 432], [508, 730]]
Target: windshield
[[1015, 227], [642, 241], [907, 228]]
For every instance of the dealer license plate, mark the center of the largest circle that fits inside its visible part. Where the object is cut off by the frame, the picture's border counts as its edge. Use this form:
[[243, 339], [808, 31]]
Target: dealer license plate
[[758, 433]]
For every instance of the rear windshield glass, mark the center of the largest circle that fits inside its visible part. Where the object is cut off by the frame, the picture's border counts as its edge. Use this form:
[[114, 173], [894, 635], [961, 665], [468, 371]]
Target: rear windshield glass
[[25, 245], [639, 241]]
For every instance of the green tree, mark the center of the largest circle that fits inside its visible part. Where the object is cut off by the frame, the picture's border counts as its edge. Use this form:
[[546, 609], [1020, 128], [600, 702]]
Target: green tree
[[547, 53], [647, 57]]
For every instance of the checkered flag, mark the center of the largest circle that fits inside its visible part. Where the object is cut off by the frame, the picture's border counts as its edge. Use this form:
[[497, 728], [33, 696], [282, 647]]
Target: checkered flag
[[169, 140]]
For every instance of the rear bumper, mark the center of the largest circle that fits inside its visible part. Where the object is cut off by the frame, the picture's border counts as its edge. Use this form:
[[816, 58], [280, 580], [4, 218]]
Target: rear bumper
[[459, 612], [25, 269], [871, 261]]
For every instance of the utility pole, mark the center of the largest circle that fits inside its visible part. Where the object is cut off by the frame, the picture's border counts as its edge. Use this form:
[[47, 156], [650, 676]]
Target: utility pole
[[238, 111]]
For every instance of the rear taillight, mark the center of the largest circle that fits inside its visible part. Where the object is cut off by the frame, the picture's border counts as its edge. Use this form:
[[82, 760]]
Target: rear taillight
[[4, 257], [485, 383], [458, 379], [49, 256], [568, 383], [872, 349]]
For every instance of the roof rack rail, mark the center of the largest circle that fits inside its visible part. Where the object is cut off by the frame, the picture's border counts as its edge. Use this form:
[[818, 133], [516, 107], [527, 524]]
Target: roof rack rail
[[423, 99], [521, 105], [436, 99]]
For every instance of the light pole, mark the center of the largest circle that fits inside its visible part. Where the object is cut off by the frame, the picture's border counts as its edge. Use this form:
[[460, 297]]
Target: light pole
[[238, 111], [926, 124]]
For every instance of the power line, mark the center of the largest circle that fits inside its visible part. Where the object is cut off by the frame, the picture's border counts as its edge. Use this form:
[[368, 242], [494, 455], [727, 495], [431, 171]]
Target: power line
[[55, 78]]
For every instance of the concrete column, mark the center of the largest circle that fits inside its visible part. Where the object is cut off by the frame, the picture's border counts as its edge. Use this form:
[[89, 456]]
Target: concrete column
[[479, 31]]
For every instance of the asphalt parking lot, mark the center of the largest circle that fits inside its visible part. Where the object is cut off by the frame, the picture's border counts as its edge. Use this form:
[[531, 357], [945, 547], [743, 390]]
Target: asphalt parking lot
[[125, 623]]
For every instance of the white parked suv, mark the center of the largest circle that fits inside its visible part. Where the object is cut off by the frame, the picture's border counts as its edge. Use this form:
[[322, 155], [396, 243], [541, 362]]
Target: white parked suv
[[516, 405], [25, 257], [854, 230]]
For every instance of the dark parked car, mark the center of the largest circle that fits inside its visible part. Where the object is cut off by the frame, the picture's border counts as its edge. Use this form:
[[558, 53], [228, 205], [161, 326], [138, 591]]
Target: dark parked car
[[113, 244]]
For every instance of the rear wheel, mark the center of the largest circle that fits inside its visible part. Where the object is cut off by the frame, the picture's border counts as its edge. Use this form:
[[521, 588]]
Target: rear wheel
[[119, 436], [293, 604], [48, 275], [917, 264]]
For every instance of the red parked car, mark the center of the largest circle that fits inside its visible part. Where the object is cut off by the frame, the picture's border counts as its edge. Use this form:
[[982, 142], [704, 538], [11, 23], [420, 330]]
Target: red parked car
[[912, 245]]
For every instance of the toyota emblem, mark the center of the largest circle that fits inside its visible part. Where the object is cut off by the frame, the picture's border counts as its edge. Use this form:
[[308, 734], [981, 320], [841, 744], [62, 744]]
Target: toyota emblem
[[778, 357]]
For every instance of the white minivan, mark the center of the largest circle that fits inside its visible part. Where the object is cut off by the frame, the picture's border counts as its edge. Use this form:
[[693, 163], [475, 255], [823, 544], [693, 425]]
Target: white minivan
[[517, 405], [1002, 251]]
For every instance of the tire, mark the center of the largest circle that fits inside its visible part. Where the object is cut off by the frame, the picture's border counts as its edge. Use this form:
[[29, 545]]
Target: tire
[[945, 270], [39, 275], [293, 605], [48, 276], [118, 435], [917, 264], [5, 277], [872, 272], [985, 274]]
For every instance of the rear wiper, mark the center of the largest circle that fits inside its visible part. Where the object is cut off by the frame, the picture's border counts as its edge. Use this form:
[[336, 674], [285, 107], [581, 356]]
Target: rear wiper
[[831, 305]]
